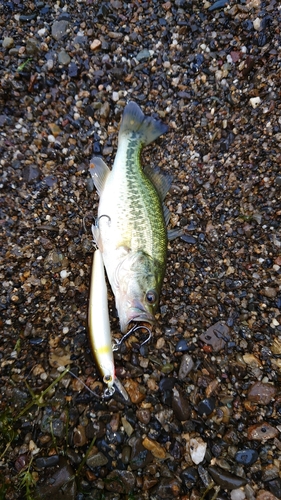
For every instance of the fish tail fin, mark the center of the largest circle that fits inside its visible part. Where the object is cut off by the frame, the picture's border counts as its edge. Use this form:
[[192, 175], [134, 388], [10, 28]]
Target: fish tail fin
[[134, 120]]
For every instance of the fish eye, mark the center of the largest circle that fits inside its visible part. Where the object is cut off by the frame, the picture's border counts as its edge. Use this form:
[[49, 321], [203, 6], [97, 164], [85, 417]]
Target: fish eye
[[151, 296]]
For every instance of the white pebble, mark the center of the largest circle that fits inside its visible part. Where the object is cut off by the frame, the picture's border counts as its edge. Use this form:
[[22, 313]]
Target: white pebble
[[255, 102], [42, 32], [115, 96], [257, 24], [237, 494], [197, 450], [64, 273], [51, 138]]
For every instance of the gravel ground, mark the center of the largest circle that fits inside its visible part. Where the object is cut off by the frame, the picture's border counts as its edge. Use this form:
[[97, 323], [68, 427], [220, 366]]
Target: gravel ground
[[204, 416]]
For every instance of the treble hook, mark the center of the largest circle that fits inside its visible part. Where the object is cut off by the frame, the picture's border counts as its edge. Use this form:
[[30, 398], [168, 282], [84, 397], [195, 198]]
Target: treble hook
[[130, 332]]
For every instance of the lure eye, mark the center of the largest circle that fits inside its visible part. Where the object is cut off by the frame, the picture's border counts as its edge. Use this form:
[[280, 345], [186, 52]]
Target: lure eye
[[151, 296]]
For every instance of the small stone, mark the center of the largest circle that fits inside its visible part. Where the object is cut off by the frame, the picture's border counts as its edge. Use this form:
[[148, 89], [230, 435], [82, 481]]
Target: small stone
[[168, 488], [265, 495], [261, 393], [255, 102], [269, 292], [206, 406], [59, 29], [120, 481], [136, 393], [143, 54], [96, 44], [55, 129], [246, 457], [97, 460], [180, 405], [197, 450], [156, 449], [226, 479], [262, 432], [8, 42], [238, 494], [216, 336], [79, 436], [63, 58], [257, 23], [186, 366], [30, 173], [143, 415]]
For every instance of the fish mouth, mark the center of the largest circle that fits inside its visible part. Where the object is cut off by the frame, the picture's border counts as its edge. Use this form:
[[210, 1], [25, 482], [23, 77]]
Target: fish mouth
[[137, 315]]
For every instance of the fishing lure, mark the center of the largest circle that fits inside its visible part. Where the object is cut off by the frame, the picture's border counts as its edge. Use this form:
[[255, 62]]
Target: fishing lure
[[98, 323]]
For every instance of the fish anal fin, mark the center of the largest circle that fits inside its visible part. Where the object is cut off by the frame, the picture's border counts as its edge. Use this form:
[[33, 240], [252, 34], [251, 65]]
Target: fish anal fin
[[162, 182], [99, 172]]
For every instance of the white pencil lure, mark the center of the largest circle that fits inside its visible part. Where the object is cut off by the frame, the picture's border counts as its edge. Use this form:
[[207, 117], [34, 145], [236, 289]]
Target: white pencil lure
[[98, 323]]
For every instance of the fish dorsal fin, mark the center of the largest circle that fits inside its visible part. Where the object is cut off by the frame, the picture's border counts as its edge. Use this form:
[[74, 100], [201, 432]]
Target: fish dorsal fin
[[161, 182], [99, 172], [134, 120]]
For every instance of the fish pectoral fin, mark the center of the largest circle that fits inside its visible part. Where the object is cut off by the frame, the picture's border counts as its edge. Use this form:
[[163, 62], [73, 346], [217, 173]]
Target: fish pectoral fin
[[99, 172], [161, 182]]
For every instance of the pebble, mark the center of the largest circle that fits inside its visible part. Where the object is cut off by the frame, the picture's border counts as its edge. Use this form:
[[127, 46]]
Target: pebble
[[255, 102], [197, 450], [206, 406], [168, 488], [96, 460], [7, 42], [59, 29], [136, 393], [120, 481], [246, 457], [95, 45], [63, 58], [186, 366], [238, 494], [262, 432], [226, 479], [265, 495], [156, 449], [180, 405], [216, 336], [261, 393]]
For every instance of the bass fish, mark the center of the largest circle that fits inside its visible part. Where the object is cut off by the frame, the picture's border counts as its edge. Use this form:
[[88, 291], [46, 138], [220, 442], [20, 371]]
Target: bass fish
[[130, 230]]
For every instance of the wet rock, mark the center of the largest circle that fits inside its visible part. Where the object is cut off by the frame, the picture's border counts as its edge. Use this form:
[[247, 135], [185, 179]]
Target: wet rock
[[206, 406], [79, 436], [42, 462], [63, 58], [140, 456], [216, 336], [7, 42], [226, 479], [96, 460], [186, 366], [265, 495], [59, 29], [180, 405], [168, 488], [246, 457], [156, 449], [189, 477], [135, 391], [197, 450], [59, 484], [261, 393], [120, 481], [262, 432], [31, 173]]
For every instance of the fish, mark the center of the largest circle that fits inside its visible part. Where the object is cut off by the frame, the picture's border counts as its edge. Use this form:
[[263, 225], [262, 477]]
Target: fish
[[99, 323], [131, 228]]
